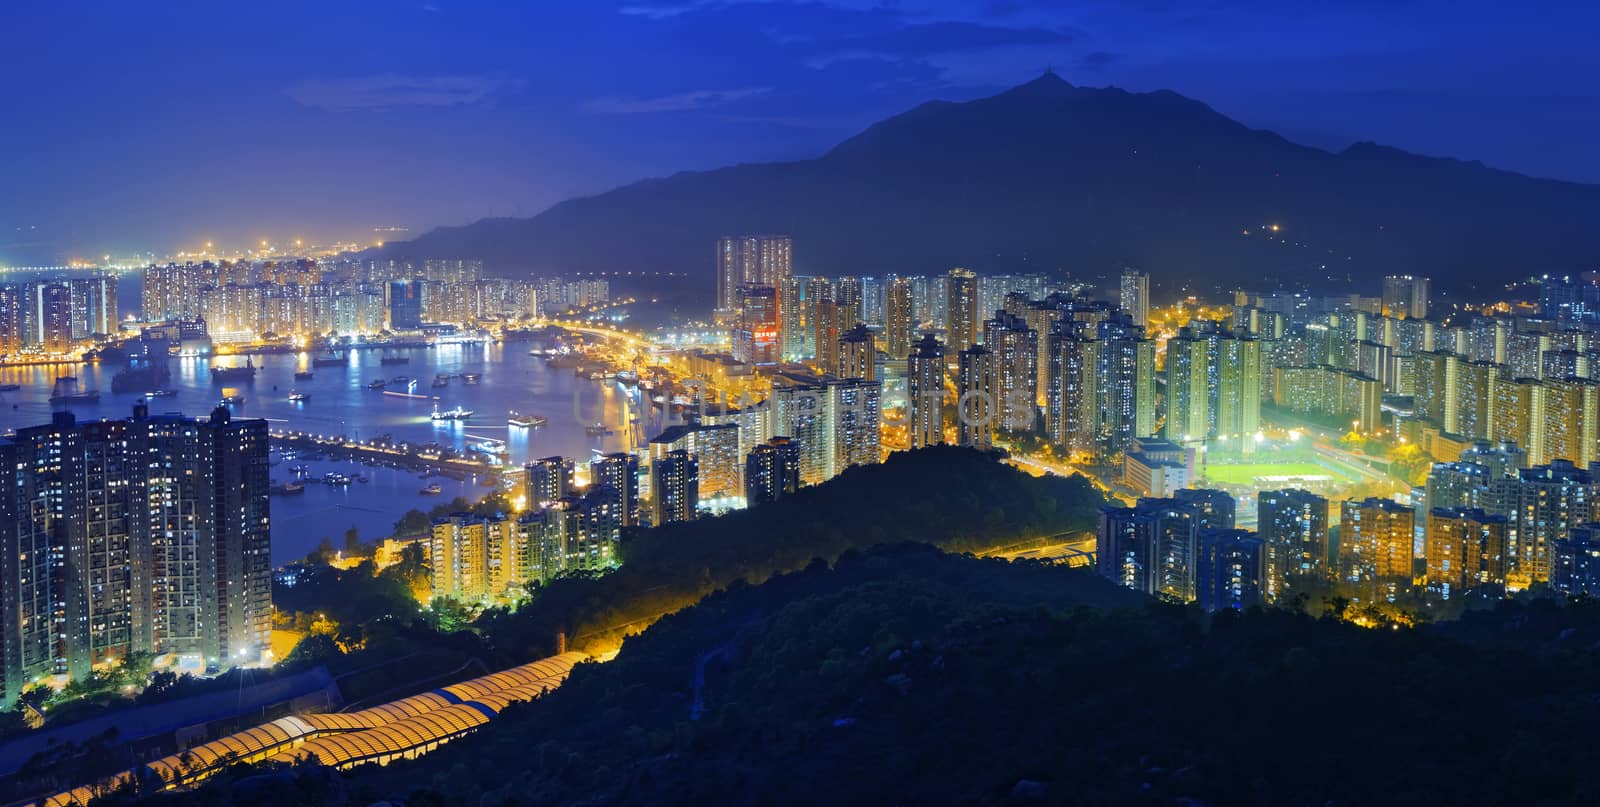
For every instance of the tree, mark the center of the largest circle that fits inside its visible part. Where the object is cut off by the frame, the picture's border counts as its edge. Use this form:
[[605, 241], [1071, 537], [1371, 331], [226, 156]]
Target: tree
[[322, 554], [414, 522]]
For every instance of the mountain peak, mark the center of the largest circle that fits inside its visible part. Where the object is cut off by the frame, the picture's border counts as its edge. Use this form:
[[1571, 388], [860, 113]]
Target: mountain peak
[[1049, 82]]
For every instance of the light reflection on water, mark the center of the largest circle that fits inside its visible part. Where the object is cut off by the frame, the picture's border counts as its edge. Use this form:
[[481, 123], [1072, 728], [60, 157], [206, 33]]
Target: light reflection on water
[[511, 379]]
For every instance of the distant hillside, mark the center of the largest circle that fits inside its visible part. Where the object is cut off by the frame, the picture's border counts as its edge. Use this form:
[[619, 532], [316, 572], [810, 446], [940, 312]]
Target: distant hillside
[[905, 676], [1050, 176]]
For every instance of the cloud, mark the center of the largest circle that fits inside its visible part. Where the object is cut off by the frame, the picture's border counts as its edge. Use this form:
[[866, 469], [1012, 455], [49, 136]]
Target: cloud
[[393, 90], [680, 102], [926, 39], [1096, 61]]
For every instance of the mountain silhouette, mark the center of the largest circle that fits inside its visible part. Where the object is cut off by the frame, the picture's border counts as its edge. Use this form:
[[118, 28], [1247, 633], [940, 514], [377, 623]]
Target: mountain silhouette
[[1048, 176]]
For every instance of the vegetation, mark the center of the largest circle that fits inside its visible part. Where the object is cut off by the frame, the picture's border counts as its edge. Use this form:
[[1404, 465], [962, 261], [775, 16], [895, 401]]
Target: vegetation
[[953, 498], [903, 675]]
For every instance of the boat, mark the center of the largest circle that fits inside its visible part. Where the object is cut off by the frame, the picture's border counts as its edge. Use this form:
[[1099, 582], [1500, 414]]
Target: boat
[[402, 380], [161, 393], [302, 468], [300, 397], [304, 375], [335, 479], [232, 400], [288, 488], [362, 478], [395, 360], [329, 361], [596, 430], [469, 378], [456, 413], [432, 490], [66, 392], [10, 387], [223, 375], [133, 379], [527, 421], [379, 384], [440, 381]]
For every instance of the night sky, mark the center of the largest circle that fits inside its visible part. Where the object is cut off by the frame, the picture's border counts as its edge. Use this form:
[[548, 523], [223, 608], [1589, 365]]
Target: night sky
[[131, 126]]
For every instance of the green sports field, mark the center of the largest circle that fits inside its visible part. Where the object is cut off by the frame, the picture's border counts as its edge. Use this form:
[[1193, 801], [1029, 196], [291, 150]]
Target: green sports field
[[1246, 474]]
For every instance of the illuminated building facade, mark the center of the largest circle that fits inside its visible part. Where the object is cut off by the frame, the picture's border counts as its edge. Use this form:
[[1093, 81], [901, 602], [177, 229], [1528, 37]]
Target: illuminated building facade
[[976, 402], [1293, 525], [1375, 546], [755, 336], [925, 372], [1135, 296], [1016, 355], [674, 487], [1465, 548], [149, 534], [899, 320], [961, 309], [772, 471], [1230, 570]]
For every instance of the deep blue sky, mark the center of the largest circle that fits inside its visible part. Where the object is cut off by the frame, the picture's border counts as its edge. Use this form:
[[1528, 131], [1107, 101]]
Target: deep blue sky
[[158, 126]]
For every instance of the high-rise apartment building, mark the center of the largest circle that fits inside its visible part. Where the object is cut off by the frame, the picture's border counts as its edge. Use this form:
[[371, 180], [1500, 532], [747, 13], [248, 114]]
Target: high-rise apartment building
[[1016, 352], [405, 305], [1151, 547], [1375, 540], [546, 480], [1551, 500], [674, 487], [1135, 296], [1405, 296], [976, 400], [755, 260], [755, 335], [856, 355], [899, 319], [1293, 525], [961, 309], [791, 319], [1230, 570], [925, 373], [854, 419], [618, 472], [772, 471], [1465, 548], [149, 534]]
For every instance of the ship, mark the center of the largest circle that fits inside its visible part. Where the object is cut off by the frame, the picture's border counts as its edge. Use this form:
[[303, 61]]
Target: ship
[[527, 421], [401, 380], [304, 375], [469, 378], [441, 380], [288, 488], [66, 392], [299, 397], [329, 361], [232, 400], [596, 430], [456, 413], [395, 360], [336, 479], [10, 387], [223, 375], [379, 384], [432, 490], [134, 379]]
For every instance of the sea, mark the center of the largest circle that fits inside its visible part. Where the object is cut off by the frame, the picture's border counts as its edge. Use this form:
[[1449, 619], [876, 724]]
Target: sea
[[511, 377]]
